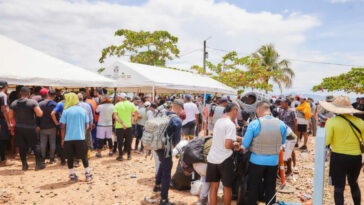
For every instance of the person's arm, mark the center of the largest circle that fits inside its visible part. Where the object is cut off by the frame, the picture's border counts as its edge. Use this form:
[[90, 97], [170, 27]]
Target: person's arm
[[329, 132], [136, 114], [283, 128], [116, 118], [63, 132], [38, 111], [230, 137], [177, 123], [248, 137], [4, 110], [54, 118], [11, 115], [229, 144]]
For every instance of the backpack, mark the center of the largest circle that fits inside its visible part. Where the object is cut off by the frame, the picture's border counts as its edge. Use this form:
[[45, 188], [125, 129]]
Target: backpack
[[155, 133]]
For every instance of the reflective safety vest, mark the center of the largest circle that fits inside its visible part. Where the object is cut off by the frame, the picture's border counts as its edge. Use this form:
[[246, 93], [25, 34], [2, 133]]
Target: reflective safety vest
[[269, 139]]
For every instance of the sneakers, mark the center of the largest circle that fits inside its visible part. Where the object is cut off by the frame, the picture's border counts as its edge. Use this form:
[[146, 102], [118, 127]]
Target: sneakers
[[120, 158], [129, 156], [73, 178], [39, 166], [88, 176], [111, 154], [304, 147], [76, 163], [25, 166], [52, 161], [157, 188], [165, 202], [98, 155]]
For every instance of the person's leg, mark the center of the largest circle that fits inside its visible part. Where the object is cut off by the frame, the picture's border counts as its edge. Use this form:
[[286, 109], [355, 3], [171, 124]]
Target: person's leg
[[228, 193], [338, 170], [128, 140], [214, 187], [119, 137], [270, 176], [52, 143], [166, 166], [254, 179], [43, 142], [294, 158], [156, 161], [305, 138], [314, 125], [288, 164], [353, 172], [205, 189], [2, 150], [137, 137]]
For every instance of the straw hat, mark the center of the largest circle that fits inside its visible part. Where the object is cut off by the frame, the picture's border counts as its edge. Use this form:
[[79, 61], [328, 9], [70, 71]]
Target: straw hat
[[340, 105]]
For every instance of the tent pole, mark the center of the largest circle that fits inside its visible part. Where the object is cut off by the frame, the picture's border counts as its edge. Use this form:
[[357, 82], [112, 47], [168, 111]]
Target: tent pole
[[205, 120], [153, 92], [114, 96]]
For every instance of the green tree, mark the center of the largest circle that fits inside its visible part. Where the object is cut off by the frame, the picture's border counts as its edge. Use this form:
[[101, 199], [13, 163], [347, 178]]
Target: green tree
[[280, 72], [238, 72], [144, 47], [352, 81]]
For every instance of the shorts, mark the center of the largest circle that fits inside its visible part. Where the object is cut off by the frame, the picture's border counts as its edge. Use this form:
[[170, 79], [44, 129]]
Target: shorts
[[189, 128], [302, 128], [4, 130], [223, 172], [104, 132], [26, 137], [290, 144], [75, 149]]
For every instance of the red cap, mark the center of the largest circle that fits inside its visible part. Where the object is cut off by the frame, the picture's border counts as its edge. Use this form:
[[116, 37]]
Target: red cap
[[43, 91]]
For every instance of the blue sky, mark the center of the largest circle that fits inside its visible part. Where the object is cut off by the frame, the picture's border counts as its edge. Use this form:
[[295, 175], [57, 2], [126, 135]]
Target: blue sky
[[77, 30]]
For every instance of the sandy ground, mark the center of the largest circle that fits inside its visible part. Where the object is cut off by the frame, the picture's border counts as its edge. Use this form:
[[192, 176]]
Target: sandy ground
[[112, 183]]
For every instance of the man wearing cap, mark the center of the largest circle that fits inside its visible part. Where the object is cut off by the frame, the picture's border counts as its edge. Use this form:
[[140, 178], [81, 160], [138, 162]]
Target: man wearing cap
[[5, 124], [123, 111], [25, 111], [303, 120], [163, 177], [189, 124], [47, 126], [344, 134]]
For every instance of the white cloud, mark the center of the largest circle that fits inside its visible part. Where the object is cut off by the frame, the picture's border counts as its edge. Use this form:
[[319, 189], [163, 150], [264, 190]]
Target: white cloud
[[77, 31]]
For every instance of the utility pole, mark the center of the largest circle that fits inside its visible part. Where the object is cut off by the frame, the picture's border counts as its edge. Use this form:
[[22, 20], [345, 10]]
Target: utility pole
[[204, 56]]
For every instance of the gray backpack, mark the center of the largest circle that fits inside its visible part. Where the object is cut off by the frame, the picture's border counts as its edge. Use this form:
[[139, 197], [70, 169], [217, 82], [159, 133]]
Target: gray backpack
[[154, 135]]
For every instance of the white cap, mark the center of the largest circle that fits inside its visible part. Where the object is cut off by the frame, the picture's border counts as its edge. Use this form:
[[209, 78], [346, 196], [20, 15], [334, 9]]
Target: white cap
[[122, 95], [147, 104]]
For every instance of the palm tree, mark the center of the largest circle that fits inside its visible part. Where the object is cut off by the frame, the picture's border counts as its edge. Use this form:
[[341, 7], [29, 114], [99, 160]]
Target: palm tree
[[279, 70]]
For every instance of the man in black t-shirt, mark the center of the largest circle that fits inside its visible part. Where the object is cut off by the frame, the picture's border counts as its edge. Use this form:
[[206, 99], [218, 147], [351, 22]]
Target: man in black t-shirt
[[5, 124], [25, 111]]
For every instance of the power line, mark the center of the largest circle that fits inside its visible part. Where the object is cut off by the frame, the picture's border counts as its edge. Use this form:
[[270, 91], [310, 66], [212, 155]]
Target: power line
[[190, 52], [299, 60]]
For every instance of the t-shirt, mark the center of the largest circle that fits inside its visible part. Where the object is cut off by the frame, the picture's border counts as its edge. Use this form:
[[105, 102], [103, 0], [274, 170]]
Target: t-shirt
[[75, 119], [105, 114], [288, 117], [94, 107], [301, 118], [24, 112], [150, 114], [218, 113], [124, 109], [295, 104], [142, 111], [46, 122], [224, 129], [90, 113], [191, 112], [3, 102]]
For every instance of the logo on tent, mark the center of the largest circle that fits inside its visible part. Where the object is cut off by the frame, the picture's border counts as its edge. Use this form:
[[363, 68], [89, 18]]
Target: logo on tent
[[116, 69]]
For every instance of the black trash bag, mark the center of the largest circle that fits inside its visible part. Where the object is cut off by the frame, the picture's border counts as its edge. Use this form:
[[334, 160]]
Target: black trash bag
[[179, 180], [193, 151]]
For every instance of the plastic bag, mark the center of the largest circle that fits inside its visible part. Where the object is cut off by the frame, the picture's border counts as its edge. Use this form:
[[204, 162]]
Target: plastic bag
[[196, 187]]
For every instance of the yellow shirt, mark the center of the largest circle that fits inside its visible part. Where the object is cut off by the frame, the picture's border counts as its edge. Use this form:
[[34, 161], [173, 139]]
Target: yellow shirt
[[341, 137]]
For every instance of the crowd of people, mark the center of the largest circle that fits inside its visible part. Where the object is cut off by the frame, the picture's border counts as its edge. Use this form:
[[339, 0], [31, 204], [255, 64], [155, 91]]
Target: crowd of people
[[51, 123]]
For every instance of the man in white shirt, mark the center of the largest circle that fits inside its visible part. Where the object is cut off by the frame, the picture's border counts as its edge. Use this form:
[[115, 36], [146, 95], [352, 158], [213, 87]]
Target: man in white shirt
[[219, 159], [189, 124]]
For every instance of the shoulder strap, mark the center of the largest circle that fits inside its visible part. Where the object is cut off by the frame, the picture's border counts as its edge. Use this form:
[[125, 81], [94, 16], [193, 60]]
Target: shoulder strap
[[351, 124]]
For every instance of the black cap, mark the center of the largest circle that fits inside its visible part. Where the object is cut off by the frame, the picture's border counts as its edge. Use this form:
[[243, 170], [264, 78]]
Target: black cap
[[286, 100], [3, 84], [137, 98], [223, 100]]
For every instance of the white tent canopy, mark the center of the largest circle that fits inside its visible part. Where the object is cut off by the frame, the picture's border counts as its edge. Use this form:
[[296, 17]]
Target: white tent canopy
[[20, 64], [145, 78]]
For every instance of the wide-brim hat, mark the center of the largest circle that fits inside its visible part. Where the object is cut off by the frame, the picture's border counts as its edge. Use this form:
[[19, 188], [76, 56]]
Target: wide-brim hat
[[340, 105]]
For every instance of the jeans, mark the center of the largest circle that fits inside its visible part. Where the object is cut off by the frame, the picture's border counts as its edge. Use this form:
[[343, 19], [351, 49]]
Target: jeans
[[164, 173], [139, 135], [257, 173], [48, 135], [124, 137]]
